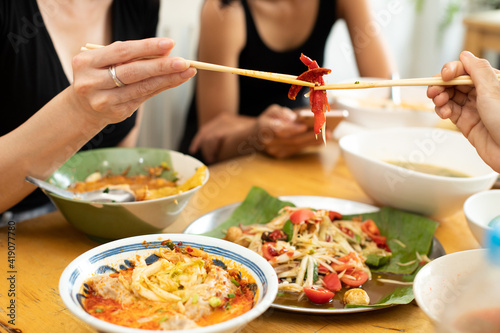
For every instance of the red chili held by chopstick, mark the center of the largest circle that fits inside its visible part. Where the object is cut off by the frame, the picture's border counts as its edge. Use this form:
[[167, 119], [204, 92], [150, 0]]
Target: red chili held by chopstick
[[317, 98], [311, 75]]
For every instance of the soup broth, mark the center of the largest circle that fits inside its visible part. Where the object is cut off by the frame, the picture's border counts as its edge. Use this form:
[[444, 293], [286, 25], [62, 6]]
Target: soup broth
[[429, 169]]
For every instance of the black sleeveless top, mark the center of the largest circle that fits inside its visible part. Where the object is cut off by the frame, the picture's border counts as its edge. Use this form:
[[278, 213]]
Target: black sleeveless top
[[32, 73], [256, 95]]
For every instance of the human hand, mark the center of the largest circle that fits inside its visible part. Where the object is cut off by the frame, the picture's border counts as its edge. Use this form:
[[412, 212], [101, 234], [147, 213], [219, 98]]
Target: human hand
[[213, 135], [143, 66], [281, 134], [473, 109]]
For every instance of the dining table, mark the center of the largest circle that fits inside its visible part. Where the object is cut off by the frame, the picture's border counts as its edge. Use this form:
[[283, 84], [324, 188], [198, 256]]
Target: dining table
[[34, 253]]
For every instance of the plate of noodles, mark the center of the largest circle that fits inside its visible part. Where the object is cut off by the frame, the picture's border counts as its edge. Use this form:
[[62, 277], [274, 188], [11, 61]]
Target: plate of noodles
[[328, 248]]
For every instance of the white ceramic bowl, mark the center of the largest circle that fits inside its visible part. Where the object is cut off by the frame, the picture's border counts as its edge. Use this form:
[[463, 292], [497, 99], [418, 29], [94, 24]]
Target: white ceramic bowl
[[479, 210], [438, 283], [366, 153], [114, 253], [109, 221], [371, 108]]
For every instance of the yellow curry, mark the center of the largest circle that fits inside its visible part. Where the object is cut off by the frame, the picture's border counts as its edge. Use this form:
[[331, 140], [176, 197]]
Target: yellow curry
[[145, 187]]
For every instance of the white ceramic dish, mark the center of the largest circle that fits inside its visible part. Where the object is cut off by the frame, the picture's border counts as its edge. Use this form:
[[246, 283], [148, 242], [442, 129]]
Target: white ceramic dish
[[371, 108], [366, 153], [438, 283], [213, 219], [114, 253], [479, 210]]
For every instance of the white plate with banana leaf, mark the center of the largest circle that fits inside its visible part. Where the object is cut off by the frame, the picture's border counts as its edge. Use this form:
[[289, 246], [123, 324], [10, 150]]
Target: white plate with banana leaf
[[216, 222]]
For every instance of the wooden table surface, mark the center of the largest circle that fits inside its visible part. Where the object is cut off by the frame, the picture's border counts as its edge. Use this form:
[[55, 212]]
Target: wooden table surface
[[44, 246]]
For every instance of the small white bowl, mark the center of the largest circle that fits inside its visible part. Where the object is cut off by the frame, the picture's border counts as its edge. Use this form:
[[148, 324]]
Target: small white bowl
[[438, 283], [371, 108], [114, 253], [366, 155], [479, 210]]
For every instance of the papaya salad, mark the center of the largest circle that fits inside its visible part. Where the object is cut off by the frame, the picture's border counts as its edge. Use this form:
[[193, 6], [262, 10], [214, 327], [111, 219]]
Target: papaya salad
[[317, 253]]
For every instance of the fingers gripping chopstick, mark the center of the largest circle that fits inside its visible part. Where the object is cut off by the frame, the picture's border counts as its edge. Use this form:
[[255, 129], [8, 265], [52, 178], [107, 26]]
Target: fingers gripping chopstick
[[277, 77]]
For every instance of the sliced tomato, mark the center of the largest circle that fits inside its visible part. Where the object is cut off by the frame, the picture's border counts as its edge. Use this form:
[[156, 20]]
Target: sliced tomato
[[301, 215], [318, 295], [349, 262], [370, 228], [333, 215], [361, 277], [331, 282], [269, 250]]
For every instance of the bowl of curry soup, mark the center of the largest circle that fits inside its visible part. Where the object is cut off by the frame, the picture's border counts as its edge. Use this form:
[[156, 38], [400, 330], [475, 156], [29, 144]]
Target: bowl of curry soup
[[429, 171], [174, 282], [162, 181]]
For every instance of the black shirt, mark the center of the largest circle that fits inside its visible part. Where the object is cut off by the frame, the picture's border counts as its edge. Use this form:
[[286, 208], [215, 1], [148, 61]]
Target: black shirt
[[32, 73], [256, 95]]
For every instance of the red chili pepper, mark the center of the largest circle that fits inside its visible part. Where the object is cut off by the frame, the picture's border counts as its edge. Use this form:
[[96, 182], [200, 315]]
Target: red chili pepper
[[346, 231], [308, 61], [317, 98], [311, 75], [319, 105]]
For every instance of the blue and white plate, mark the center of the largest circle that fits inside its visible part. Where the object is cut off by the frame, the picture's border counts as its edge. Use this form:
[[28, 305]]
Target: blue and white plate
[[115, 256]]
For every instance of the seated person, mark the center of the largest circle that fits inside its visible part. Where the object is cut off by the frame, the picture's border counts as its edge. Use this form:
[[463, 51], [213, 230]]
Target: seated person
[[58, 100], [234, 115]]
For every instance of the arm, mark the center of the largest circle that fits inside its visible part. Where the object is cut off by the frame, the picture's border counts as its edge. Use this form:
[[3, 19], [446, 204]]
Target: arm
[[372, 56], [222, 37], [473, 109], [61, 127]]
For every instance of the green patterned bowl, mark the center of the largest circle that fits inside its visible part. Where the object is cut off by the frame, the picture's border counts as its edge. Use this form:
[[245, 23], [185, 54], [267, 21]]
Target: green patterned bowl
[[108, 221]]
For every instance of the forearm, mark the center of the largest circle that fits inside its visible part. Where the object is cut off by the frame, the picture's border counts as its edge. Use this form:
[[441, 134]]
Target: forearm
[[73, 117], [41, 145], [372, 54], [375, 61]]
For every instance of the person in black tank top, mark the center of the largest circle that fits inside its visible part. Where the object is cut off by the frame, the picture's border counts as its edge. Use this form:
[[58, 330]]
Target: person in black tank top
[[223, 105], [45, 118]]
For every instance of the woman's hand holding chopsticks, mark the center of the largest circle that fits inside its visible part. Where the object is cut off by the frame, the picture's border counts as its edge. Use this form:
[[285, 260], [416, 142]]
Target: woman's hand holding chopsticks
[[277, 77], [107, 88], [111, 81]]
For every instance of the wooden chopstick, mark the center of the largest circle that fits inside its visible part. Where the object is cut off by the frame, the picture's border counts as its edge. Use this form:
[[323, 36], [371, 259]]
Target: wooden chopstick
[[276, 77], [284, 78], [428, 81]]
